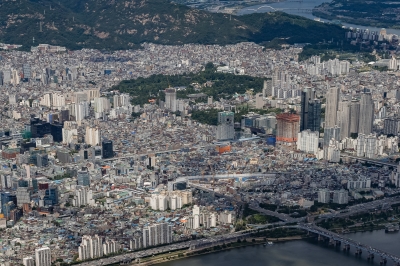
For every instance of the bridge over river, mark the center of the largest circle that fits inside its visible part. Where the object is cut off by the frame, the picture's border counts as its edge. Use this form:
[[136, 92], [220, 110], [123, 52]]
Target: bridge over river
[[346, 243]]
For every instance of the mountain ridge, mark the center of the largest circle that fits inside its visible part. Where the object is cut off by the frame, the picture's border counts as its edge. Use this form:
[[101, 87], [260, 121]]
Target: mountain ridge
[[115, 24]]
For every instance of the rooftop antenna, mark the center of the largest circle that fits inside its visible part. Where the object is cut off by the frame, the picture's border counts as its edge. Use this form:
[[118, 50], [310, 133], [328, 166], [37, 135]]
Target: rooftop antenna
[[169, 85], [73, 19], [33, 40]]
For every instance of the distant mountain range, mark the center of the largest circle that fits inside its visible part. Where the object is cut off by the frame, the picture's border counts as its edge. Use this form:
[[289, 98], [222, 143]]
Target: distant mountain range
[[119, 24]]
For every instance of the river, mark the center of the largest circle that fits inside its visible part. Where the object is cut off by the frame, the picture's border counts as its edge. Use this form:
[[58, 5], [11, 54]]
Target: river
[[295, 7], [297, 253]]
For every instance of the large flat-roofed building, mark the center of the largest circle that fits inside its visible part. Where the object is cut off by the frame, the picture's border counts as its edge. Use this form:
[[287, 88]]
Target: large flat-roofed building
[[288, 125]]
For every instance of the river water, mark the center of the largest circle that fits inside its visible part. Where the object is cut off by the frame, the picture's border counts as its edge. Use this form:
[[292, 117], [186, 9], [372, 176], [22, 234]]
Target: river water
[[296, 7], [297, 253]]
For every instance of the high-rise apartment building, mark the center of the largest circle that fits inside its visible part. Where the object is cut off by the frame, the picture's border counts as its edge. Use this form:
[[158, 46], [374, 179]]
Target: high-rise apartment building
[[307, 141], [92, 136], [332, 104], [366, 114], [28, 261], [93, 93], [354, 116], [391, 126], [43, 256], [83, 196], [344, 118], [157, 234], [69, 135], [324, 196], [91, 247], [341, 196]]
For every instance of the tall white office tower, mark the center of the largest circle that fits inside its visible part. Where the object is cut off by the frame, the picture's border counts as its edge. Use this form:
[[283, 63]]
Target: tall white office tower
[[332, 104], [170, 99], [43, 256], [343, 117], [366, 114], [225, 128]]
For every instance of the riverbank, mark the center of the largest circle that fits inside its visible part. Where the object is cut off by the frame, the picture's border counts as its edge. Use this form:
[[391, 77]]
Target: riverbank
[[302, 8], [209, 250]]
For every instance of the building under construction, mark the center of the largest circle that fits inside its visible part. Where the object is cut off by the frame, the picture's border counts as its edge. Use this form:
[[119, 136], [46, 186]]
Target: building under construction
[[288, 125]]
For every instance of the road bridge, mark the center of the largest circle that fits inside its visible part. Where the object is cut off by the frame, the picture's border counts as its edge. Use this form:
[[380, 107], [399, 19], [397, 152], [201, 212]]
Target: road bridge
[[369, 160], [348, 242]]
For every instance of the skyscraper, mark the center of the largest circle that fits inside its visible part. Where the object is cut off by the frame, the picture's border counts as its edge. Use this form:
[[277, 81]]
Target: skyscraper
[[26, 69], [43, 256], [8, 202], [310, 117], [107, 149], [366, 114], [83, 177], [332, 102], [354, 116], [314, 115], [56, 132], [170, 99], [225, 128], [343, 119]]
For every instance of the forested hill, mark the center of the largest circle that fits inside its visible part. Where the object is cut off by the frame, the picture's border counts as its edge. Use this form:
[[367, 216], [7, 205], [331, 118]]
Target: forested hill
[[118, 24]]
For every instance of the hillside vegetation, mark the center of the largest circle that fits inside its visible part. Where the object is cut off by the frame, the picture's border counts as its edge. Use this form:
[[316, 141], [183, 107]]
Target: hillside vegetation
[[222, 85], [118, 24]]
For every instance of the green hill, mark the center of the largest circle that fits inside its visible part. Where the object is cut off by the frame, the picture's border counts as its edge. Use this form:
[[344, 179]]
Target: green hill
[[117, 24]]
